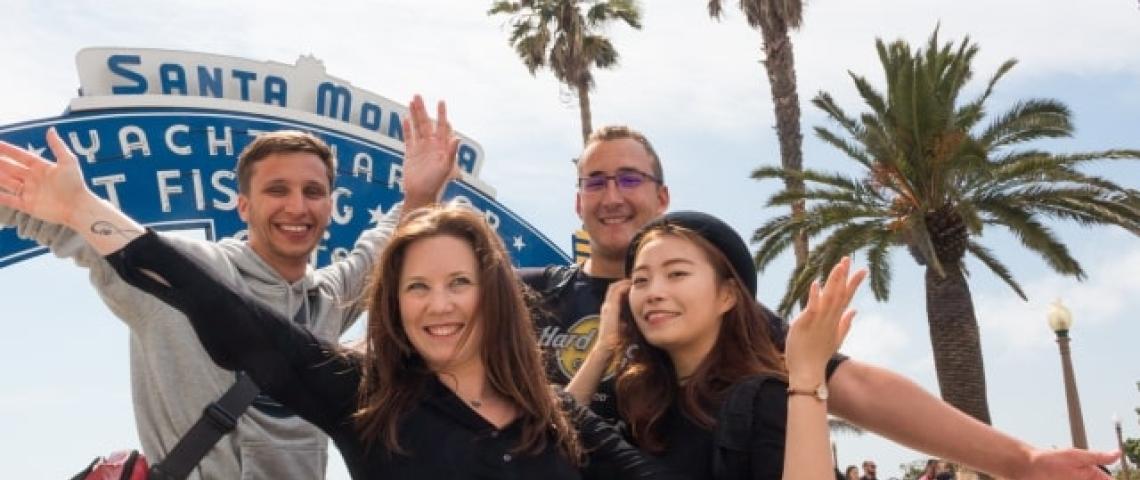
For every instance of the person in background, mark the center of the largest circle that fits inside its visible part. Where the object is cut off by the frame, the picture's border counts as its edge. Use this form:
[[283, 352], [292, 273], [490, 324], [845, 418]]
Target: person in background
[[869, 471]]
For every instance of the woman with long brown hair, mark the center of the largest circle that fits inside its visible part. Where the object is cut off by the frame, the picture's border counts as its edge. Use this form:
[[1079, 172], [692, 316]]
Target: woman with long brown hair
[[704, 387]]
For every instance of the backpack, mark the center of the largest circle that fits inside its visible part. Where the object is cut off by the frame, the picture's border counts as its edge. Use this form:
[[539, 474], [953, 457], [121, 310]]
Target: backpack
[[732, 436]]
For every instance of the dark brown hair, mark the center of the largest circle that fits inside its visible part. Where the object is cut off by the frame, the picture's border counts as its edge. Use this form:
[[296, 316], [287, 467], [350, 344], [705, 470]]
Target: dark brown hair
[[619, 132], [743, 347], [282, 141], [393, 373]]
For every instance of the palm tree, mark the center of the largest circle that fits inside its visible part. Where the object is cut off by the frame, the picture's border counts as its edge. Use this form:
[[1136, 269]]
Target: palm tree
[[933, 179], [563, 35], [774, 18]]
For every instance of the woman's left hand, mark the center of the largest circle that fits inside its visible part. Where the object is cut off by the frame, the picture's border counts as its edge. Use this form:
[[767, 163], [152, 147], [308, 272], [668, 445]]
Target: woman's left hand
[[820, 328]]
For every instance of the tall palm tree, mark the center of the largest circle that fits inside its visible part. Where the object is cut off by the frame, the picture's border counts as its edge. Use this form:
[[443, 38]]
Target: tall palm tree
[[562, 35], [933, 179], [774, 18]]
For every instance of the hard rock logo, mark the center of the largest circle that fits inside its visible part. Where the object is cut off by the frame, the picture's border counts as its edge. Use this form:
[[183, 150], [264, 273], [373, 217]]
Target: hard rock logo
[[571, 347]]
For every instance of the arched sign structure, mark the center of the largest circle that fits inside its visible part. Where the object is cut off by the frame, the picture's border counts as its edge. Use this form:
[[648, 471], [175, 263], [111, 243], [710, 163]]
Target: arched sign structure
[[158, 132]]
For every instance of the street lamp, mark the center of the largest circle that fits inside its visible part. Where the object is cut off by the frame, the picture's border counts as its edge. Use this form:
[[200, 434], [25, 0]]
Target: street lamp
[[1120, 444], [1060, 319]]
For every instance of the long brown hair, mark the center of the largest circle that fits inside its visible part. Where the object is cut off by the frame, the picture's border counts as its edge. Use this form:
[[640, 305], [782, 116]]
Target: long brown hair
[[393, 372], [743, 347]]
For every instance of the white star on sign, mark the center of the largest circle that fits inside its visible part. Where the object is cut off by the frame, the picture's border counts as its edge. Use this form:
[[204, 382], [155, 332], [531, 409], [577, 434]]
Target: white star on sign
[[377, 214], [39, 152], [518, 243]]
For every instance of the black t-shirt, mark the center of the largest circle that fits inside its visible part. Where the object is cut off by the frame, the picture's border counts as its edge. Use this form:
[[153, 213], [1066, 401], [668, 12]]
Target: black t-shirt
[[566, 321]]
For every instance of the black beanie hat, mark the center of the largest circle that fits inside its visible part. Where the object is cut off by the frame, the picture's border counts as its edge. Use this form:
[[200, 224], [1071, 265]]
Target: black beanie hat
[[718, 233]]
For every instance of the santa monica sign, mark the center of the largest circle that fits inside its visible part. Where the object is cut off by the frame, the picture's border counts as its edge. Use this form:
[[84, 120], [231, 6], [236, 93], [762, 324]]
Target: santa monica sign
[[158, 132]]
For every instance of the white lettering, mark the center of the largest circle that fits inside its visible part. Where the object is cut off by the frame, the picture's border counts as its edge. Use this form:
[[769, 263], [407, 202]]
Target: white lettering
[[169, 137], [492, 219], [165, 189], [343, 215], [87, 152], [108, 182], [199, 195], [214, 142], [362, 163], [230, 193], [395, 177], [132, 138]]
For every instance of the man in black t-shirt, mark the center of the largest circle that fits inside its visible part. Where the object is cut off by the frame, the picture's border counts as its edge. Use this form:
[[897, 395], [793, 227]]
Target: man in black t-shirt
[[621, 187]]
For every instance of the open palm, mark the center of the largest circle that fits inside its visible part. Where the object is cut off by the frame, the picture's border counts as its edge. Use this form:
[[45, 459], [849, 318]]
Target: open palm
[[41, 188]]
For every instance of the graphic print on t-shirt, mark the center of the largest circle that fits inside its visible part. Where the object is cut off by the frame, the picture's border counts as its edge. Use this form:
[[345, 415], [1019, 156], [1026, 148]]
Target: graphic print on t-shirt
[[570, 348]]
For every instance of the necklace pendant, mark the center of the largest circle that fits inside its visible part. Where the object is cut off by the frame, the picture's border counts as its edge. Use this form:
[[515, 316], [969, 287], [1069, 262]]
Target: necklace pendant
[[475, 403]]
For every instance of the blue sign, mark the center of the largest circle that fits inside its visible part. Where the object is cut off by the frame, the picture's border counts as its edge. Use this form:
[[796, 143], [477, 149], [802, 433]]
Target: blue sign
[[173, 168]]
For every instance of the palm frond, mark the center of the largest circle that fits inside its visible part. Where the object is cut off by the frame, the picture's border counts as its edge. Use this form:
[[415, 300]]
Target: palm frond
[[989, 260], [1034, 236]]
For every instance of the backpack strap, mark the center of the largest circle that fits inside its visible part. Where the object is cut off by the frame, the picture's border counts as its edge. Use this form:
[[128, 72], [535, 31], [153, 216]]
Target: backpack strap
[[218, 419]]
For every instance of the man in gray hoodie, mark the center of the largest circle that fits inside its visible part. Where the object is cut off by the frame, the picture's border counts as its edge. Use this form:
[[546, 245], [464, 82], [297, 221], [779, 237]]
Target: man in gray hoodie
[[285, 180]]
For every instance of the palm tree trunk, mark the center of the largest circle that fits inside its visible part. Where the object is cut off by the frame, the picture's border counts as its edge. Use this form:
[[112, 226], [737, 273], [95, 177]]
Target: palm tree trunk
[[955, 341], [584, 109], [780, 64]]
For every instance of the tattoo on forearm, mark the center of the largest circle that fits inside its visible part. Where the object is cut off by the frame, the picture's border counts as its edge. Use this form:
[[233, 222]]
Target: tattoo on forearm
[[107, 229]]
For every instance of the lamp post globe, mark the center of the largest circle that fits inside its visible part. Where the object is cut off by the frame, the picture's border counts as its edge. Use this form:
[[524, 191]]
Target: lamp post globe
[[1061, 320]]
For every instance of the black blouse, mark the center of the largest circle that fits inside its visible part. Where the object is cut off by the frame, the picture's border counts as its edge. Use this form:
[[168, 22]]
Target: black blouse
[[442, 436]]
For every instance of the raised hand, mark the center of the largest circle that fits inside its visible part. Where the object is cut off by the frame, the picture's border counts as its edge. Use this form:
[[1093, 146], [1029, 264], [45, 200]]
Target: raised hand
[[820, 328], [429, 154], [609, 317], [601, 356], [46, 190]]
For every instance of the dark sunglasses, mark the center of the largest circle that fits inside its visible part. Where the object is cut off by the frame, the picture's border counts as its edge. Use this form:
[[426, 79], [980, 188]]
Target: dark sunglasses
[[625, 180]]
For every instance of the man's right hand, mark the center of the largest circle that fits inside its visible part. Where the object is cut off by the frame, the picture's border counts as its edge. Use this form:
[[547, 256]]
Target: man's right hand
[[49, 191]]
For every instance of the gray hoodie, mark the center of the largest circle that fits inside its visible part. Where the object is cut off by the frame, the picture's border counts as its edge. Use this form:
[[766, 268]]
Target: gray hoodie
[[172, 377]]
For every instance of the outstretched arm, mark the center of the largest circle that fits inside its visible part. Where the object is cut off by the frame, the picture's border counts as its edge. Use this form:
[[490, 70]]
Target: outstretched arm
[[309, 375], [55, 192], [897, 408], [812, 340]]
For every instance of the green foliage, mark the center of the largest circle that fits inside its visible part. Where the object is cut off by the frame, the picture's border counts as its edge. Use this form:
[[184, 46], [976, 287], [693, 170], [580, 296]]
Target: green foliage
[[929, 155], [1132, 451], [564, 35], [1132, 475], [912, 470]]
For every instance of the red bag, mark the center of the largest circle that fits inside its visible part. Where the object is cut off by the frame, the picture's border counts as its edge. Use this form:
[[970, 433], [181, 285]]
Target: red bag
[[121, 465]]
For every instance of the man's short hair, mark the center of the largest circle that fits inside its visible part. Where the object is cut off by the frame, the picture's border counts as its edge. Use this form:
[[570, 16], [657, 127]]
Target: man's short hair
[[282, 141], [619, 132]]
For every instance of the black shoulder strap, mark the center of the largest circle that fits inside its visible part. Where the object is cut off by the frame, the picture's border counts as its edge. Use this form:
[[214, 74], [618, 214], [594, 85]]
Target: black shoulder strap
[[734, 429], [217, 420]]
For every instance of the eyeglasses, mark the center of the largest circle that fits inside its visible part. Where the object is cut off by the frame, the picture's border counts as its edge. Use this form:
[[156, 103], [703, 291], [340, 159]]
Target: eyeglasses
[[625, 180]]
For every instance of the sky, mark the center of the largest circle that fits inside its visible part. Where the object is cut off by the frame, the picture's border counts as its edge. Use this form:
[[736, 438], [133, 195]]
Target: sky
[[697, 88]]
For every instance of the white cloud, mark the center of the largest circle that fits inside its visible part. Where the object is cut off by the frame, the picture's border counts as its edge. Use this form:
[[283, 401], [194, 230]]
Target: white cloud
[[876, 339], [1110, 294]]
